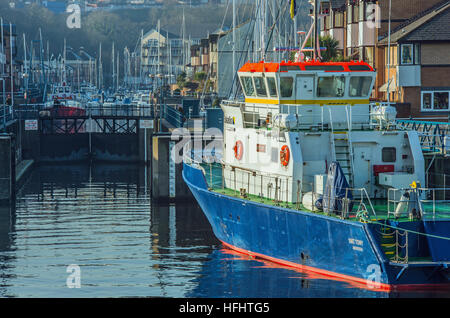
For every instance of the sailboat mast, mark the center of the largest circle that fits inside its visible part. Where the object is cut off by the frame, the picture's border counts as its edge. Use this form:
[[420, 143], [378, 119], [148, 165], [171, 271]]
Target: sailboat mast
[[234, 43], [25, 62], [316, 30], [64, 63], [113, 68], [389, 56], [159, 45]]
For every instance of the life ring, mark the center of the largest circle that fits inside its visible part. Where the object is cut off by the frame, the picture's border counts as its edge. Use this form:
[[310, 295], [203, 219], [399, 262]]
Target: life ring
[[238, 150], [284, 155]]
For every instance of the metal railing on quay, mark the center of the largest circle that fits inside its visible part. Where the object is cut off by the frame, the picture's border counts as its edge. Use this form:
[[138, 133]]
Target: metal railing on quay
[[172, 115], [6, 114], [34, 111]]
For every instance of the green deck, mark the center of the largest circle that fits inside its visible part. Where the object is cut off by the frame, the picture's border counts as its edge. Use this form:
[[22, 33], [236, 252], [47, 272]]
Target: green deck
[[213, 176]]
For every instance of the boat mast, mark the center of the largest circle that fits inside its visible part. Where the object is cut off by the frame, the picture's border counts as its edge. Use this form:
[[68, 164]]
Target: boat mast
[[316, 30], [234, 45], [113, 68], [64, 63], [11, 64], [389, 55], [25, 63], [159, 47]]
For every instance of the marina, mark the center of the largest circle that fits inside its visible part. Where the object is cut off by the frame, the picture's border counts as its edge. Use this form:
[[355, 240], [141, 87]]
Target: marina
[[258, 161]]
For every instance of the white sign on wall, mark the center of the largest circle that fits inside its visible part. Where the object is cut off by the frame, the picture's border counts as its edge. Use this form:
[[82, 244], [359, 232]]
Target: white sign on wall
[[31, 124], [146, 123]]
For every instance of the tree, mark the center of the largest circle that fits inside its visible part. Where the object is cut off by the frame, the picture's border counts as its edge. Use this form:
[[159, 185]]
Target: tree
[[331, 46], [200, 76], [331, 52], [181, 80]]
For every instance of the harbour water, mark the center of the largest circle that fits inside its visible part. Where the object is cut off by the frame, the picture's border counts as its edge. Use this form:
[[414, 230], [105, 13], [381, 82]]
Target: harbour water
[[100, 219]]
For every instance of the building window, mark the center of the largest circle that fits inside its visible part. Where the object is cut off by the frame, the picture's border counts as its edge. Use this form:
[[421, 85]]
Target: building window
[[369, 55], [388, 154], [427, 99], [328, 24], [407, 54], [349, 14], [286, 84], [362, 11], [440, 100], [435, 100], [338, 19], [355, 15], [394, 59]]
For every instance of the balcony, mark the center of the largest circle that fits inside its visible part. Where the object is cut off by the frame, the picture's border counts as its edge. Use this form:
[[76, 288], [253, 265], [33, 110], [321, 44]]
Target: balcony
[[205, 59], [195, 61], [409, 75], [366, 34]]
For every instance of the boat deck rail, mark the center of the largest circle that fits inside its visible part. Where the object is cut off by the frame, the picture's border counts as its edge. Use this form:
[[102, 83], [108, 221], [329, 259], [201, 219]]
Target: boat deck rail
[[366, 120], [274, 189], [423, 203]]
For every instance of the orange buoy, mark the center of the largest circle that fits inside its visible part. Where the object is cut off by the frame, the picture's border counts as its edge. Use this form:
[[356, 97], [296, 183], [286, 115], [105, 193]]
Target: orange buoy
[[284, 155], [238, 150]]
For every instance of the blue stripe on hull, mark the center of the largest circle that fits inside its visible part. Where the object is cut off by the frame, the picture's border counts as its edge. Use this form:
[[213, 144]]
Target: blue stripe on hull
[[314, 241]]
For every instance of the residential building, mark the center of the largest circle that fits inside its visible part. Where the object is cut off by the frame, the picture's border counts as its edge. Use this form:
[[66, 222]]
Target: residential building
[[420, 42], [8, 61], [419, 72], [163, 54]]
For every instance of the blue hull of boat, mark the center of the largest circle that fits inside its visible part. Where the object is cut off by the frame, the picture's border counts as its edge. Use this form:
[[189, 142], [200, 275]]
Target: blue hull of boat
[[329, 246]]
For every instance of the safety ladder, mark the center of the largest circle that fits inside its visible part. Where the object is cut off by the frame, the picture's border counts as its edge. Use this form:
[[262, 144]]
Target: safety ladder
[[343, 151], [394, 244]]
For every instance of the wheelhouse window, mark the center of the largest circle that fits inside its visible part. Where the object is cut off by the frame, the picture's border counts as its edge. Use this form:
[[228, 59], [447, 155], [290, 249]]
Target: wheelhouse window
[[247, 86], [260, 87], [388, 154], [331, 86], [360, 86], [435, 101], [272, 85], [286, 85]]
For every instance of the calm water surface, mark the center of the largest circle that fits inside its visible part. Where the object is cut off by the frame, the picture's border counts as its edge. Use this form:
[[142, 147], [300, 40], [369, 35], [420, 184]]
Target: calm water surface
[[100, 218]]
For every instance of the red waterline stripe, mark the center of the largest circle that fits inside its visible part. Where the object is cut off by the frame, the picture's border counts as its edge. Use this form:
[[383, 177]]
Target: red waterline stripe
[[366, 283]]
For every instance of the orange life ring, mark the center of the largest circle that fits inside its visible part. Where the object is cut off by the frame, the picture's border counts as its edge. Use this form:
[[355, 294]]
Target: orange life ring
[[284, 155], [238, 150]]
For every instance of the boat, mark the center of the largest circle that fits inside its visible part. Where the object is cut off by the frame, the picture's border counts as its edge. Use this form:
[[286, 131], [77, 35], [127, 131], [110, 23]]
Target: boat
[[317, 177], [62, 102]]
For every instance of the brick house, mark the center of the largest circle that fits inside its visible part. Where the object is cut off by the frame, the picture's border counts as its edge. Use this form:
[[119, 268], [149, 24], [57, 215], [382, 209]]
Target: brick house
[[420, 65], [419, 74]]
